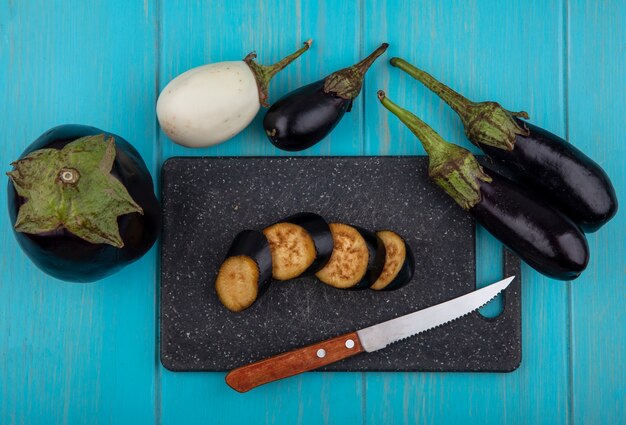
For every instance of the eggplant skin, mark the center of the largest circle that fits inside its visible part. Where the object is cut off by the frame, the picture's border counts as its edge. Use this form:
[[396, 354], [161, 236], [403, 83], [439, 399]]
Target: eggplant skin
[[542, 236], [376, 258], [254, 244], [67, 257], [405, 274], [318, 229], [304, 117], [407, 270], [576, 184]]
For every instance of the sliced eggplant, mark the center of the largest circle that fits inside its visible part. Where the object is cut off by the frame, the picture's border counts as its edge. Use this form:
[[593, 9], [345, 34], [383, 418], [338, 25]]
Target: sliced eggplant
[[300, 244], [245, 273], [399, 262], [357, 260], [293, 250]]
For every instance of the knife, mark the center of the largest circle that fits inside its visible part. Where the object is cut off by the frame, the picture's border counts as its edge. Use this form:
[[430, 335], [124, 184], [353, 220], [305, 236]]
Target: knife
[[368, 339]]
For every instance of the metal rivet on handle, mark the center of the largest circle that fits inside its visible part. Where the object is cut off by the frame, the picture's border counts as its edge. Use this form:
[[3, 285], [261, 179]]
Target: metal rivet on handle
[[349, 343], [321, 353]]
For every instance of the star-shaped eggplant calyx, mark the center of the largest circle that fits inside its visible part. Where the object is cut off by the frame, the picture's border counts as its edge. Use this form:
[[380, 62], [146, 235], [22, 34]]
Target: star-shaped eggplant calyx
[[73, 188]]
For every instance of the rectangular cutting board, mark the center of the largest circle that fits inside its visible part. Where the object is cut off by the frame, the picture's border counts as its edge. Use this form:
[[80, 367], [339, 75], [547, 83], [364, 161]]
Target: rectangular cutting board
[[207, 201]]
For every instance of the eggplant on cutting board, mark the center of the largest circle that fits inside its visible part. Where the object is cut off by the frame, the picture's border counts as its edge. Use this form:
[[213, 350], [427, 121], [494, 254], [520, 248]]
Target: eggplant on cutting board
[[564, 175], [246, 271], [356, 192], [357, 260], [542, 236], [399, 264], [300, 244], [340, 255]]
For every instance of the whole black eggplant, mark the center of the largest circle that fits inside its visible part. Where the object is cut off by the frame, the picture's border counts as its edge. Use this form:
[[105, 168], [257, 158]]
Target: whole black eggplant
[[113, 213], [305, 116], [562, 174], [542, 236]]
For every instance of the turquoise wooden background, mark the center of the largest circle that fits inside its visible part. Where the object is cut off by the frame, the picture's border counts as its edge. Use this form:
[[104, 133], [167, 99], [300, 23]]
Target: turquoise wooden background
[[72, 353]]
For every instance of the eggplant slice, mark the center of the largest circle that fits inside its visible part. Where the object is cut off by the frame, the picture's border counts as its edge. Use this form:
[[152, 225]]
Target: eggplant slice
[[293, 250], [399, 262], [245, 273], [300, 244], [357, 260]]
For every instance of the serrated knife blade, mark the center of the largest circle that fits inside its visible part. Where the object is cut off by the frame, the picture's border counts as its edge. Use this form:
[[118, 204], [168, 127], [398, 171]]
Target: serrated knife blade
[[382, 334], [367, 339]]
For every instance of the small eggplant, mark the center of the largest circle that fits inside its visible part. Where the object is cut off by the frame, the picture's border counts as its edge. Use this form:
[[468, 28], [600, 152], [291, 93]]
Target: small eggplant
[[562, 174], [245, 273], [305, 116], [82, 203], [542, 236], [300, 244], [399, 262], [357, 260], [210, 104]]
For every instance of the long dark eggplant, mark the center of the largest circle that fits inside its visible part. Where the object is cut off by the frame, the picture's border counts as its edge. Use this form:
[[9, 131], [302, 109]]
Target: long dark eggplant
[[305, 116], [82, 203], [542, 236], [562, 174]]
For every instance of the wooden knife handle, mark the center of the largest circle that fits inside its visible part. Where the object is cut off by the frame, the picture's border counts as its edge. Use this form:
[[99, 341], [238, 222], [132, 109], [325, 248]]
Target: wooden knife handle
[[294, 362]]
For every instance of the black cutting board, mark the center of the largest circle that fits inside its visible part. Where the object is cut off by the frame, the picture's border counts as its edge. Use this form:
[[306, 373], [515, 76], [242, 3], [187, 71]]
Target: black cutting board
[[207, 201]]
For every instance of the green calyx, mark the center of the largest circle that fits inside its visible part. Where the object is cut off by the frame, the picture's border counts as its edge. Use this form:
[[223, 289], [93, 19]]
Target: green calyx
[[72, 188], [452, 167], [346, 83], [263, 74], [486, 123]]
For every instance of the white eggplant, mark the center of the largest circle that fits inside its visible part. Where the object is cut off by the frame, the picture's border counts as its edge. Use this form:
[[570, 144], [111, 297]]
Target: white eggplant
[[212, 103]]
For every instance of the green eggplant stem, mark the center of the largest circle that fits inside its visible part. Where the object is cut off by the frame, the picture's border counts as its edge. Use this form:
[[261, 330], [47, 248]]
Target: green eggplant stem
[[366, 63], [433, 143], [347, 82], [451, 167], [456, 101], [486, 123], [69, 175], [264, 73]]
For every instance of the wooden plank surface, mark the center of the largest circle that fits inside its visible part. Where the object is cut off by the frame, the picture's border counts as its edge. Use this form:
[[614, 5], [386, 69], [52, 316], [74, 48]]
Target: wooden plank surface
[[75, 353], [487, 51], [596, 93], [216, 31], [88, 353]]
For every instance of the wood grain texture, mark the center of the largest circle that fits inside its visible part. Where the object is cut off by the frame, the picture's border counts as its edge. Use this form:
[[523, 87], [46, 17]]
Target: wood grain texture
[[75, 353], [596, 93], [87, 353], [487, 51], [216, 31], [293, 362]]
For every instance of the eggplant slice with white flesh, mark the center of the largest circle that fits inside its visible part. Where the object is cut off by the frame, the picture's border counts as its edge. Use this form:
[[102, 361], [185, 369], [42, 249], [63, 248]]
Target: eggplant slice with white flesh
[[399, 262], [300, 244], [245, 273], [357, 260]]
